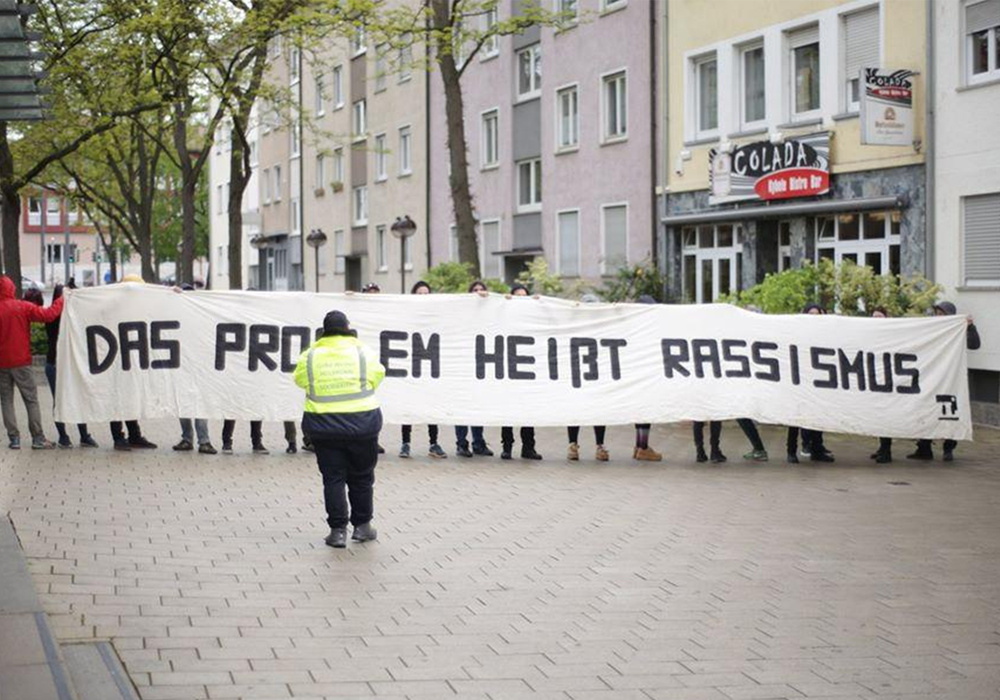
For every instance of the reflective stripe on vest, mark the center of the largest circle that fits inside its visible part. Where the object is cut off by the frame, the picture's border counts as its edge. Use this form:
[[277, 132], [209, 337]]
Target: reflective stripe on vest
[[362, 370]]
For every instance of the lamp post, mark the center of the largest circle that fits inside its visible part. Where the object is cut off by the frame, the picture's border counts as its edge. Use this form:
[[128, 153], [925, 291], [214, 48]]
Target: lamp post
[[402, 228], [316, 239]]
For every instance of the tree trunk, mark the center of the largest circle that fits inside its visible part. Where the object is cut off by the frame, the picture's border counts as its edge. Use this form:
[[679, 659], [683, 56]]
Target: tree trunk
[[185, 268], [10, 218], [238, 179], [461, 191]]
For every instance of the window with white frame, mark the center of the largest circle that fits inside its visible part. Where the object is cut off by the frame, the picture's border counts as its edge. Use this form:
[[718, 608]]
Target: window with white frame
[[34, 211], [253, 152], [405, 150], [319, 95], [295, 136], [982, 40], [294, 64], [359, 41], [453, 243], [981, 239], [784, 245], [337, 87], [568, 242], [752, 86], [360, 206], [381, 249], [295, 215], [338, 165], [529, 185], [867, 238], [339, 252], [73, 214], [567, 118], [404, 59], [381, 158], [529, 72], [490, 138], [53, 213], [381, 66], [614, 237], [861, 50], [803, 63], [711, 262], [319, 174], [569, 10], [491, 45], [277, 182], [614, 93], [265, 116], [706, 95], [359, 119], [607, 5], [265, 181], [490, 235]]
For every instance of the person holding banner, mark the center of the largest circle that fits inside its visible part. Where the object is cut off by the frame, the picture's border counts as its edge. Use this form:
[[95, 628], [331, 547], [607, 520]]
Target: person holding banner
[[527, 433], [342, 418], [714, 434], [812, 440], [884, 453], [573, 431], [435, 450], [479, 446], [642, 451]]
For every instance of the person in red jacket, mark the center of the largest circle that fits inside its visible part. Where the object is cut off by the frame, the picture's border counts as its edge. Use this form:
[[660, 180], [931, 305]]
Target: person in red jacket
[[16, 317]]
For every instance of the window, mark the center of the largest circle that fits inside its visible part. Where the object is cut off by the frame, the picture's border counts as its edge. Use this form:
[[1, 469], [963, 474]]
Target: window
[[981, 239], [529, 72], [73, 214], [319, 95], [52, 210], [34, 211], [568, 243], [319, 179], [784, 245], [274, 47], [360, 206], [491, 45], [569, 10], [752, 104], [295, 212], [266, 185], [265, 116], [490, 137], [338, 165], [253, 152], [982, 39], [712, 262], [614, 237], [567, 118], [405, 58], [277, 183], [295, 135], [706, 71], [405, 151], [453, 243], [615, 96], [804, 62], [218, 197], [529, 185], [869, 238], [359, 121], [381, 158], [338, 87], [381, 249], [294, 64], [53, 252], [608, 5], [381, 66], [491, 262], [338, 252], [359, 41], [861, 50]]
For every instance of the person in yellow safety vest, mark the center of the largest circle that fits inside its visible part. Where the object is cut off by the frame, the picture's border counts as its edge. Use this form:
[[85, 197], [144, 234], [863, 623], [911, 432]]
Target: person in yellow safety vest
[[342, 417]]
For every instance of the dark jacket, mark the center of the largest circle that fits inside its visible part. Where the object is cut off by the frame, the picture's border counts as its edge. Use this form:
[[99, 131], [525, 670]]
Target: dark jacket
[[972, 339], [342, 426], [52, 333], [16, 317]]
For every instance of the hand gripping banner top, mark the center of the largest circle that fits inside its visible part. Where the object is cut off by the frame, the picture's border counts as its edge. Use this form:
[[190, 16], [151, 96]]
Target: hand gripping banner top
[[131, 351]]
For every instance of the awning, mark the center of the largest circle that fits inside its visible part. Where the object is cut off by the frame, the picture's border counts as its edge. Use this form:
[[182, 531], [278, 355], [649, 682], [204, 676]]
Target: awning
[[19, 92], [781, 211]]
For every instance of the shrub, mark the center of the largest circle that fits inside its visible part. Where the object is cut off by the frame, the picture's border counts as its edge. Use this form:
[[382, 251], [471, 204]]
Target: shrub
[[632, 281], [539, 280], [455, 278], [39, 341]]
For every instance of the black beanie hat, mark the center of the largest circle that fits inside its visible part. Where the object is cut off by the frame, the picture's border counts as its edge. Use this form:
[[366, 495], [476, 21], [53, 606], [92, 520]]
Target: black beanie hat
[[335, 323]]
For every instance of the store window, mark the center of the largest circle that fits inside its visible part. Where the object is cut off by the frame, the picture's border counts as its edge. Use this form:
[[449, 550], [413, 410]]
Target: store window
[[712, 262], [865, 238]]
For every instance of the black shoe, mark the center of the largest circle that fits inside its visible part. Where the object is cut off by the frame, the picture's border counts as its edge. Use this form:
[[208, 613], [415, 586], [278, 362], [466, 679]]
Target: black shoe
[[822, 456], [183, 446], [483, 451], [64, 443], [505, 454], [404, 450], [948, 456], [717, 456], [364, 533], [700, 455], [530, 454], [291, 449], [122, 445], [227, 448], [88, 441], [463, 451], [792, 458], [206, 449], [337, 538], [309, 448], [259, 449], [883, 457], [141, 443], [922, 455]]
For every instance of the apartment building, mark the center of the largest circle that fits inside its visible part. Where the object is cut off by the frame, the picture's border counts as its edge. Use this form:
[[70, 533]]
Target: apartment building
[[767, 168], [560, 143], [965, 159]]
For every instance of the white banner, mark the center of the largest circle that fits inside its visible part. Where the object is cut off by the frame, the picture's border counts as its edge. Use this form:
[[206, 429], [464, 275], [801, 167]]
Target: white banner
[[131, 351]]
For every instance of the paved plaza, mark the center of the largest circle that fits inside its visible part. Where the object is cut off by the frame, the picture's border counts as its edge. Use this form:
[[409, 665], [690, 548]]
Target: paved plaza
[[517, 580]]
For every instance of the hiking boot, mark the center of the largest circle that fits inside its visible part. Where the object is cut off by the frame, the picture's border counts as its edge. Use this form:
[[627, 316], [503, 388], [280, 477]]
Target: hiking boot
[[717, 457], [573, 452], [183, 446], [364, 533], [404, 450], [259, 449], [337, 538], [122, 445], [436, 452], [700, 455], [206, 449], [227, 448], [141, 443], [15, 443], [601, 454], [482, 451], [530, 454], [463, 451], [756, 456], [647, 454], [42, 444], [88, 441]]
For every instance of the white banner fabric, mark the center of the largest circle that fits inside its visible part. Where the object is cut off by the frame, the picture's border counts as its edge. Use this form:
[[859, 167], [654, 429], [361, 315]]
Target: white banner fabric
[[133, 351]]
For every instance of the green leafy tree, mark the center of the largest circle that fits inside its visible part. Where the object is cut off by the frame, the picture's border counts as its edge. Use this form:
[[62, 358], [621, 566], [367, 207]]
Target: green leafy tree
[[540, 280], [456, 277]]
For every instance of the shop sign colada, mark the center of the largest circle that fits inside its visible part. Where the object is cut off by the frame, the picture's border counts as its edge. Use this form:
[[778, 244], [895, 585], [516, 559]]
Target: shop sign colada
[[797, 167]]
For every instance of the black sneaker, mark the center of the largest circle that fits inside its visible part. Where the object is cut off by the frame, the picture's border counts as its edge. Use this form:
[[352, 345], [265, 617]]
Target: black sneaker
[[381, 450], [141, 443], [883, 457], [259, 449], [700, 455], [436, 452], [822, 456], [227, 448], [64, 443], [206, 449], [183, 446], [122, 445], [337, 538], [505, 454], [15, 443], [948, 456], [717, 456], [483, 451], [364, 533], [88, 441], [291, 449], [530, 454], [792, 458], [921, 455], [404, 450]]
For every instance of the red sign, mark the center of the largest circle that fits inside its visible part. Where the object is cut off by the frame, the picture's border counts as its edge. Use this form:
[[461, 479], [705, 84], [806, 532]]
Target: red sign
[[793, 182]]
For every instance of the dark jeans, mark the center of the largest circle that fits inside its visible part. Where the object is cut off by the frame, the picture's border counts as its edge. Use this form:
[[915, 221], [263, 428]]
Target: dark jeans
[[432, 433], [714, 432], [926, 445], [462, 437], [573, 432], [256, 432], [527, 438], [134, 431], [50, 374], [349, 463], [750, 430], [812, 440]]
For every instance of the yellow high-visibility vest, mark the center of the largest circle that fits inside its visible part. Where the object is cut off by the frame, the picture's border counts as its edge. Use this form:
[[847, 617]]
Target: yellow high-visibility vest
[[339, 375]]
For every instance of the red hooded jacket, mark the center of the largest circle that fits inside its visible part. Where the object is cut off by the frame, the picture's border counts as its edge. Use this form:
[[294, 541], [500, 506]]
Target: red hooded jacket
[[15, 325]]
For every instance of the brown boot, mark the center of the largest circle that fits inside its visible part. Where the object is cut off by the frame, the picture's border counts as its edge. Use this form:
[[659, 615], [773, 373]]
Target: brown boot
[[647, 454], [601, 454], [573, 453]]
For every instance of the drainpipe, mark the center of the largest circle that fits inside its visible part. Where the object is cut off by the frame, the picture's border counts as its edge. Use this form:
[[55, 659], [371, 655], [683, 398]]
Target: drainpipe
[[929, 148], [427, 146], [665, 132], [302, 184]]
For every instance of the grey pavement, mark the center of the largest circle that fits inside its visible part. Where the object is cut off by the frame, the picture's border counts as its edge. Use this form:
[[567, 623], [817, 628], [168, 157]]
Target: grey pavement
[[516, 580]]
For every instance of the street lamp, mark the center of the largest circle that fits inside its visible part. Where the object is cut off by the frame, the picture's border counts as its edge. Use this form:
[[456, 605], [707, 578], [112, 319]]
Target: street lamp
[[402, 228], [316, 239]]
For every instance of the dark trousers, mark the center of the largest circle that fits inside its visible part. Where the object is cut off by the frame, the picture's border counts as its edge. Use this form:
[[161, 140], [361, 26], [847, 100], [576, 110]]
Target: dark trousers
[[753, 435], [290, 434], [812, 440], [50, 375], [134, 431], [885, 445], [527, 438], [256, 431], [432, 433], [714, 432], [573, 432], [462, 437], [349, 463], [925, 445]]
